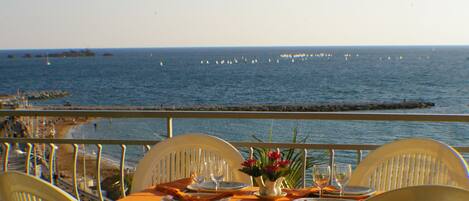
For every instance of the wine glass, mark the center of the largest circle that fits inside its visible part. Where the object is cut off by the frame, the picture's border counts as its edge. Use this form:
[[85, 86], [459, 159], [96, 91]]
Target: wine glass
[[342, 174], [321, 176], [199, 171], [217, 171]]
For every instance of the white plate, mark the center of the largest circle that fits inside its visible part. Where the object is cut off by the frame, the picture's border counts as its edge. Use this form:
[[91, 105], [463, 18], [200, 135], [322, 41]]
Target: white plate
[[354, 190], [210, 187], [224, 185], [196, 195], [268, 197], [321, 199]]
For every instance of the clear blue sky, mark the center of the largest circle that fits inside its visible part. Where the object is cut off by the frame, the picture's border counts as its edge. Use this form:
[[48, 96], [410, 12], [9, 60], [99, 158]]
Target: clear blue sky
[[176, 23]]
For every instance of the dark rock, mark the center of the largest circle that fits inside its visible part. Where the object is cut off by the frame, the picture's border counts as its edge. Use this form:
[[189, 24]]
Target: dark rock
[[10, 56], [73, 53], [107, 55]]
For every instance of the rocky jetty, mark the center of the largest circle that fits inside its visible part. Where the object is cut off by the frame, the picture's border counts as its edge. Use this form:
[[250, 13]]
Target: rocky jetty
[[43, 95], [268, 107]]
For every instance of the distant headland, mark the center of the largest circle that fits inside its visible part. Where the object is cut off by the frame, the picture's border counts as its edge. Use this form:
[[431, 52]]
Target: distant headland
[[64, 54]]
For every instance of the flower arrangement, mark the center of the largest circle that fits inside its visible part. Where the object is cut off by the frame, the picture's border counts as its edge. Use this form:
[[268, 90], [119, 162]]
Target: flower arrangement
[[271, 167]]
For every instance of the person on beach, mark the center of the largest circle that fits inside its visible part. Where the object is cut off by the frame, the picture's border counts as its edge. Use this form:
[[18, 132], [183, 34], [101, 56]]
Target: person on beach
[[13, 127]]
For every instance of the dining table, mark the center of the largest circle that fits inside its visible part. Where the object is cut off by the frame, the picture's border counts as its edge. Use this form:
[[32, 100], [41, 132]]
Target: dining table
[[166, 191]]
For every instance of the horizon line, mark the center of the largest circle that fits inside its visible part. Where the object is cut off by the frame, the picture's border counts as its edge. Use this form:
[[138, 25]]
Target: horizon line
[[249, 46]]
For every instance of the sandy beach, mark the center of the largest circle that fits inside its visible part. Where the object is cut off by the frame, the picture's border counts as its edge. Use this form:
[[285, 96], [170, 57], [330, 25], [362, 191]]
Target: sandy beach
[[65, 154]]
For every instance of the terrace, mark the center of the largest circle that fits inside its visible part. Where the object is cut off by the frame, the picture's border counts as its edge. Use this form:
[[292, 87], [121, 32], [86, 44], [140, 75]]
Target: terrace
[[77, 185]]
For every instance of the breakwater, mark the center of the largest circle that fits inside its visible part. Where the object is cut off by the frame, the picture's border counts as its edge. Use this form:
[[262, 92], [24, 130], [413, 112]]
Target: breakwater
[[265, 107], [44, 95]]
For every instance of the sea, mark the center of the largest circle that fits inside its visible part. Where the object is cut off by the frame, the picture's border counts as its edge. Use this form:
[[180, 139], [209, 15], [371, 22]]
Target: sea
[[249, 76]]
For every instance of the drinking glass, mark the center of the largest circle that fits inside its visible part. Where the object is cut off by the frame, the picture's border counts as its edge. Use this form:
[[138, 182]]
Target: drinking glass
[[217, 171], [342, 174], [321, 176], [199, 171]]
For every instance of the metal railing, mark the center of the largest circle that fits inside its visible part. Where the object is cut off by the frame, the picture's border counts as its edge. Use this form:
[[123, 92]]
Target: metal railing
[[169, 115]]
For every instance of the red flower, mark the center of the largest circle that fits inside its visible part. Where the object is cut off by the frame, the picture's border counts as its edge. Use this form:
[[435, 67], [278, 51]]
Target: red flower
[[283, 163], [249, 163], [274, 155], [271, 168]]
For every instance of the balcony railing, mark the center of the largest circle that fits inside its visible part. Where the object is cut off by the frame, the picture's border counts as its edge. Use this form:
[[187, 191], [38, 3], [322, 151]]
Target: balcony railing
[[170, 115]]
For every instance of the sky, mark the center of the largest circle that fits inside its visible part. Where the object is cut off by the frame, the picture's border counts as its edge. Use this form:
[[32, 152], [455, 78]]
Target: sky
[[201, 23]]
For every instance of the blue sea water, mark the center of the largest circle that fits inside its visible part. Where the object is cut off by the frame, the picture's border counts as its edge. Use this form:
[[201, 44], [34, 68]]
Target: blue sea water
[[350, 75]]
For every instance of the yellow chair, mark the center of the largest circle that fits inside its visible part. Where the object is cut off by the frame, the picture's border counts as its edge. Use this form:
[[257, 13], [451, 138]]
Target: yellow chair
[[424, 193], [170, 160], [17, 186], [411, 162]]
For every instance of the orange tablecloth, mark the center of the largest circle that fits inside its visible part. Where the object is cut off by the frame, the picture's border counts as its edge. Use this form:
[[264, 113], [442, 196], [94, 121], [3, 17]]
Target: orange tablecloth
[[246, 194], [151, 194]]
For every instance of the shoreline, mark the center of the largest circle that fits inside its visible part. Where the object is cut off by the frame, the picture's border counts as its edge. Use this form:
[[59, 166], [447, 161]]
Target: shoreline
[[65, 154]]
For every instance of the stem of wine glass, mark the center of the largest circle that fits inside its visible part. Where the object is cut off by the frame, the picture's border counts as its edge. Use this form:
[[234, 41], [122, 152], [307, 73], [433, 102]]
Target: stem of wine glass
[[341, 191]]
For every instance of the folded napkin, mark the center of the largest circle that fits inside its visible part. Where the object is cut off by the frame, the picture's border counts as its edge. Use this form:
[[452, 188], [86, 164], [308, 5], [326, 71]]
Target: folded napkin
[[307, 192], [327, 193], [175, 189], [180, 184]]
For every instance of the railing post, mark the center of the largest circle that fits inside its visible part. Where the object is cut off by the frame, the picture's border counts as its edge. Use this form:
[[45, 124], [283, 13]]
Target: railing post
[[28, 157], [169, 127], [122, 168], [359, 156], [51, 162], [305, 161], [6, 153], [331, 164], [75, 181], [251, 156], [98, 171]]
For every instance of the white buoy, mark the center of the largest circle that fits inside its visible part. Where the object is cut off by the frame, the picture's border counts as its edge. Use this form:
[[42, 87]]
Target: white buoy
[[161, 63]]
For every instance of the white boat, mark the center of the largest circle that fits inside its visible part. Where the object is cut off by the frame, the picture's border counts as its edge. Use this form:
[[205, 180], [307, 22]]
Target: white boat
[[47, 59]]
